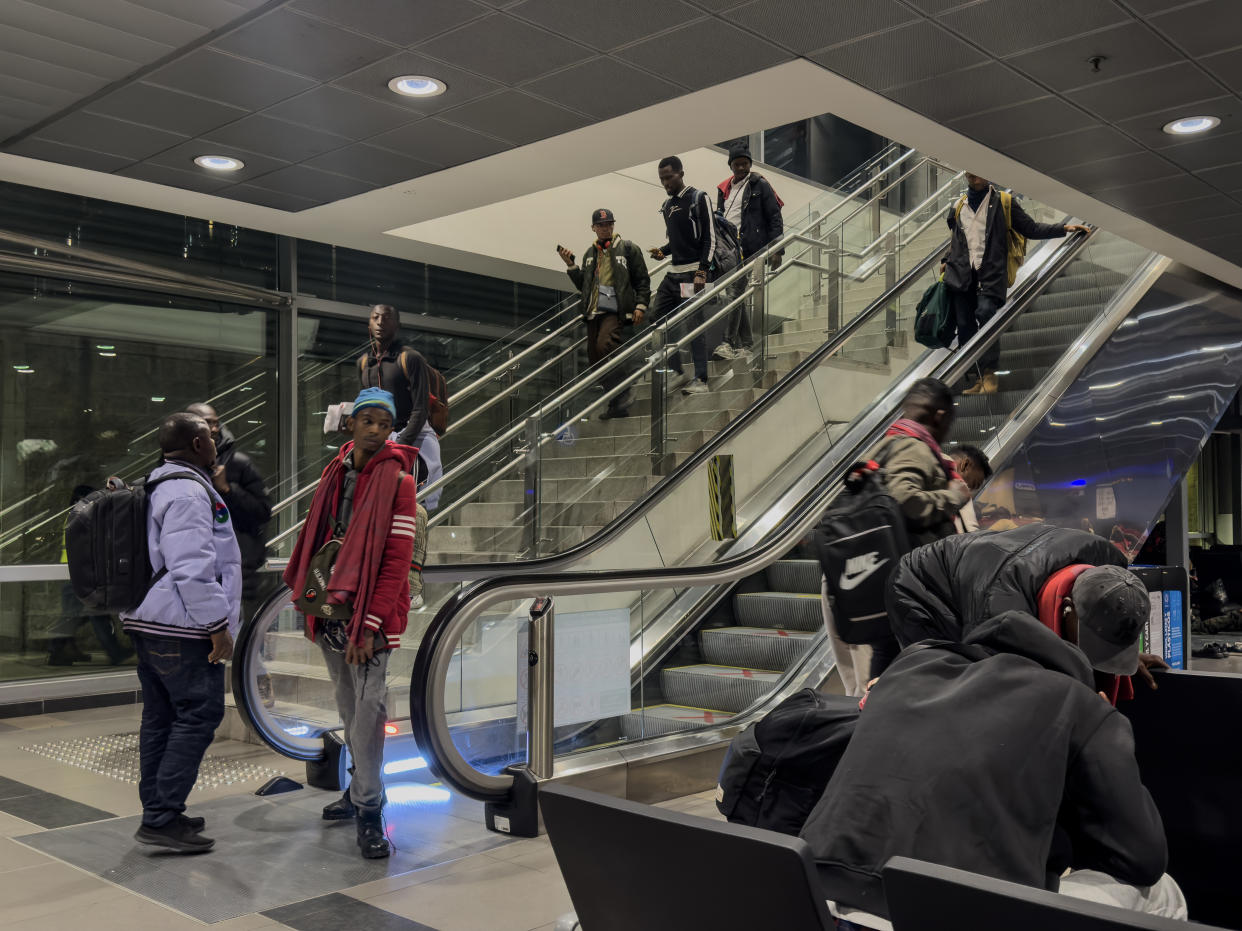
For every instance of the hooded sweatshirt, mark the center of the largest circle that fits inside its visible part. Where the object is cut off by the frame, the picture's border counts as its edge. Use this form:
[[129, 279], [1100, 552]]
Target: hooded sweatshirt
[[250, 506], [978, 756]]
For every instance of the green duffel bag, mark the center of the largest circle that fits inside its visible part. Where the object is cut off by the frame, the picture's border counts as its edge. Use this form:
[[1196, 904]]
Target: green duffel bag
[[934, 321]]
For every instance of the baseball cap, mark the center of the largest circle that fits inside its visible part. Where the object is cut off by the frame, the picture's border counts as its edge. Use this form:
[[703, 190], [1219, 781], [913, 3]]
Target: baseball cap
[[1112, 607], [602, 215], [375, 397]]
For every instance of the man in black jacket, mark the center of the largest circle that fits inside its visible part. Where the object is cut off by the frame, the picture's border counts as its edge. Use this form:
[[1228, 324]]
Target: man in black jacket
[[976, 268], [615, 290], [996, 756], [399, 369], [691, 244], [748, 202]]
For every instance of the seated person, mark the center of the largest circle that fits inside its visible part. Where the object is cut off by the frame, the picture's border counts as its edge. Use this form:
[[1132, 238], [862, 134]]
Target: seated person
[[996, 755], [944, 590]]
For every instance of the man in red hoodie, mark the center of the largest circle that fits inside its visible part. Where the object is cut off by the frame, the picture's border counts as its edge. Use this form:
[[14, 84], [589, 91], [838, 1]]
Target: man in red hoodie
[[349, 573]]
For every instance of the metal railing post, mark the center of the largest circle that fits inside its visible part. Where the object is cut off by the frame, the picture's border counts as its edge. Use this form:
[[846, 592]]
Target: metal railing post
[[834, 282], [817, 257], [759, 315], [874, 197], [541, 688], [890, 279], [659, 376], [531, 484]]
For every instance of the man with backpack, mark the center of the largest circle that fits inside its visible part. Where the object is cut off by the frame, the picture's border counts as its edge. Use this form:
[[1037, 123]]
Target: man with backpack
[[615, 290], [989, 232], [748, 202], [349, 574], [691, 245], [182, 629]]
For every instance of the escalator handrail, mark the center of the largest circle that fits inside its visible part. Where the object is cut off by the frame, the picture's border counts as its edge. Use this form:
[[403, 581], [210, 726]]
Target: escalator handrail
[[428, 718]]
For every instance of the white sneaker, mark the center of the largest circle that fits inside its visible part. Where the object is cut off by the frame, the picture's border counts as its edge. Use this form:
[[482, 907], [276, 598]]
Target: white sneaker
[[724, 351], [696, 387], [417, 602], [675, 381]]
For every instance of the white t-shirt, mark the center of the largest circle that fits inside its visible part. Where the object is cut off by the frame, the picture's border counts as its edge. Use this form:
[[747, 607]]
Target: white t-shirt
[[733, 203], [975, 225]]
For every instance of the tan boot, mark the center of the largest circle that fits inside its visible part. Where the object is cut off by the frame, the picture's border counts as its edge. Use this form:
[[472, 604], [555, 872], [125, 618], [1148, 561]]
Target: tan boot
[[990, 384], [976, 388]]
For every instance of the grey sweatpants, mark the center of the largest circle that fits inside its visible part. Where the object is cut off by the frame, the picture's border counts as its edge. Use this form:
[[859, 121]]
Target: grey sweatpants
[[360, 700]]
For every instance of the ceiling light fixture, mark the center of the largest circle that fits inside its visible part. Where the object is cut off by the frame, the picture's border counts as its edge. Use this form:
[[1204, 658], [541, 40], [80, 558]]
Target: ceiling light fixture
[[417, 85], [1189, 125], [219, 163]]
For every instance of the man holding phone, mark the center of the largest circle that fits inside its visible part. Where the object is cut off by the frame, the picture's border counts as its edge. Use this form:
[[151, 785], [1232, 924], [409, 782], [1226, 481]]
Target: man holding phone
[[616, 290]]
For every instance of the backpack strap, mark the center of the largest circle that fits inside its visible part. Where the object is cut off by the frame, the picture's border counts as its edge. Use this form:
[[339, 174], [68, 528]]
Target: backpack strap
[[957, 211], [150, 483], [401, 362], [1006, 201]]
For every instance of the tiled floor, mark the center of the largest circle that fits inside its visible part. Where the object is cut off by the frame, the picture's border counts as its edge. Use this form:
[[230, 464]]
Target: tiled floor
[[497, 885]]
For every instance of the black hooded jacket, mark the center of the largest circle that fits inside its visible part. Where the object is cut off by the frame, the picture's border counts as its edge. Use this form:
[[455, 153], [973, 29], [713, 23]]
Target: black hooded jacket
[[247, 500], [945, 589], [761, 214], [994, 756]]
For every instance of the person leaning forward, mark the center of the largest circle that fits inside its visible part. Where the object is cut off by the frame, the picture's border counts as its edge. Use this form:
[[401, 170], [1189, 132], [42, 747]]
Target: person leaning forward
[[616, 290]]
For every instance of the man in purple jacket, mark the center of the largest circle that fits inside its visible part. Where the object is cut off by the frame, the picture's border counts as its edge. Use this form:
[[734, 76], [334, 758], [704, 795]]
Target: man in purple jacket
[[183, 632]]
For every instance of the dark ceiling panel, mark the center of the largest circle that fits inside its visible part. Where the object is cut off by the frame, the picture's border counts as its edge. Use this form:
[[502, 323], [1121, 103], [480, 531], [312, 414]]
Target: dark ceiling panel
[[398, 21], [1145, 7], [935, 7], [988, 86], [169, 109], [274, 199], [1209, 152], [48, 74], [628, 88], [927, 52], [376, 166], [1207, 27], [210, 14], [1209, 228], [24, 110], [183, 156], [1227, 66], [1123, 170], [44, 48], [1146, 92], [733, 54], [190, 180], [606, 24], [804, 25], [516, 116], [229, 79], [267, 136], [36, 92], [1021, 123], [116, 137], [311, 183], [505, 49], [154, 25], [302, 45], [340, 111], [373, 81], [439, 143], [1226, 178], [1088, 145], [1148, 129], [42, 21], [1126, 49], [48, 151], [1005, 27], [1155, 193], [1204, 208]]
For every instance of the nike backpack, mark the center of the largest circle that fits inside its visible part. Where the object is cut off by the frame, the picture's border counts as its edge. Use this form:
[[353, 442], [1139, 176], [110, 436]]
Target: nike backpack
[[106, 544], [859, 543]]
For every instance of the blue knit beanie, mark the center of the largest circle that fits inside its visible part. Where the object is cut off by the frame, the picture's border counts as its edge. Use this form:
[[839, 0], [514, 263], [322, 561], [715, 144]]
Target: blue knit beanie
[[375, 397]]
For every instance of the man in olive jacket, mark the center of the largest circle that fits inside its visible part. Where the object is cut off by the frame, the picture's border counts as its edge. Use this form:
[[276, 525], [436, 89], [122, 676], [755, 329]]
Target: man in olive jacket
[[616, 290]]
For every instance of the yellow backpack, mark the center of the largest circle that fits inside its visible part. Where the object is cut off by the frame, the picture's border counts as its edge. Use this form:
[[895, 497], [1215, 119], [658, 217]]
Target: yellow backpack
[[1015, 253]]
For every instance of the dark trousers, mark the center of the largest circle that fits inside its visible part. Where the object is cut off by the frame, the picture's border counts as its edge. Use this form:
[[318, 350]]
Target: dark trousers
[[667, 299], [882, 656], [605, 334], [182, 705], [973, 310]]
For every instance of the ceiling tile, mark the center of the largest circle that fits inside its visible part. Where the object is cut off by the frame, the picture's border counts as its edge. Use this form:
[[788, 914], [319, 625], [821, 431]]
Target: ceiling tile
[[24, 110], [229, 79], [1205, 208], [910, 53], [397, 21], [439, 143], [734, 53], [49, 74], [1226, 178], [988, 86], [211, 14], [183, 157], [376, 166], [268, 136], [606, 24], [1197, 227], [343, 112], [49, 151], [1108, 173], [1005, 27], [1209, 152], [802, 26], [939, 6], [515, 116], [504, 49], [628, 88], [717, 6], [44, 48], [105, 134], [37, 92], [167, 109], [1207, 27], [274, 199], [1227, 66], [1086, 145], [303, 45], [38, 19], [311, 183], [1007, 130], [1126, 49], [1154, 193], [1147, 7], [154, 25], [175, 177], [373, 81], [1149, 128], [1146, 92]]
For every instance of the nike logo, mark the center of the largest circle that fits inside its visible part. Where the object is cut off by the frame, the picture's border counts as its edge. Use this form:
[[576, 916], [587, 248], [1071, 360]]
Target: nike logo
[[858, 569]]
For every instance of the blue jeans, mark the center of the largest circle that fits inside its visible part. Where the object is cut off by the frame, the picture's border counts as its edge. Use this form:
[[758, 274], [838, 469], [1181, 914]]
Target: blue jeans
[[182, 705]]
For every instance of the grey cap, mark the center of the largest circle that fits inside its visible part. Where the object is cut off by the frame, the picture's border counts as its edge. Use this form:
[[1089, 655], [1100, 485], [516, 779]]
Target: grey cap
[[1112, 606]]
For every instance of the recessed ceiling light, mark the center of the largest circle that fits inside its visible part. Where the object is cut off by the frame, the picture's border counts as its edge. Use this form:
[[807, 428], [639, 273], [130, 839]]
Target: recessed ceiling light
[[219, 163], [417, 85], [1189, 125]]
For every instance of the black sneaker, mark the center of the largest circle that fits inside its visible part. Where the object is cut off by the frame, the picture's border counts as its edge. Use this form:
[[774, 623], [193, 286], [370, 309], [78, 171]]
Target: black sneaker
[[194, 824], [175, 835], [341, 810], [371, 839]]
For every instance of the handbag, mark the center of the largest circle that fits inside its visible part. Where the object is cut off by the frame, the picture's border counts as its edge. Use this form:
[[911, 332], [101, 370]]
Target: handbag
[[312, 596], [934, 321]]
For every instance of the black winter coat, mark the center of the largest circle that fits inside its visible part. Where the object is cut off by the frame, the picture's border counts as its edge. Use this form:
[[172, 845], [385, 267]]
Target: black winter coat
[[248, 502], [945, 589], [996, 756], [762, 222], [993, 270]]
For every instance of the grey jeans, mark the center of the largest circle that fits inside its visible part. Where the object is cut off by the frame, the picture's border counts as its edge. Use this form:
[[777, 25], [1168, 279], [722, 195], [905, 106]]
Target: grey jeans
[[360, 700]]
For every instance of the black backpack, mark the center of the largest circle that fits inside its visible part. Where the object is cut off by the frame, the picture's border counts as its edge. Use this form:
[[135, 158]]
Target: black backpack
[[859, 543], [728, 252], [106, 544], [775, 771]]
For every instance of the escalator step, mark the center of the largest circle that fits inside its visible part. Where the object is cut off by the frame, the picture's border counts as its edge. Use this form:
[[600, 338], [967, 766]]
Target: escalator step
[[782, 610], [795, 575], [754, 647], [658, 720], [706, 685]]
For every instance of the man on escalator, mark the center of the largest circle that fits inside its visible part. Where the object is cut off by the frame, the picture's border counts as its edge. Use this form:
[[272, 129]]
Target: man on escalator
[[978, 269]]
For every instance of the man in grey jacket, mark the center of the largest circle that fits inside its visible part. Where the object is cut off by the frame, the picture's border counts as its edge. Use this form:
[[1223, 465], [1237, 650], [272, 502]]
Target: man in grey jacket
[[183, 631]]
